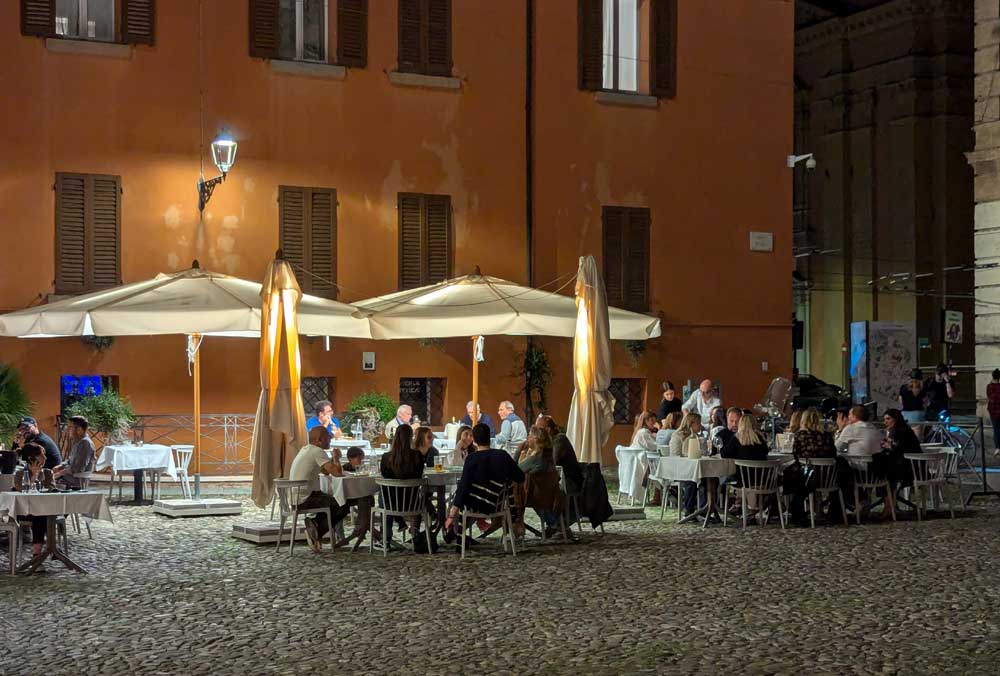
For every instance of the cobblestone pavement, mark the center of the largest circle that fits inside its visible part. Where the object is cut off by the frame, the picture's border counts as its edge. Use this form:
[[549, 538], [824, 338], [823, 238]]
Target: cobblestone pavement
[[183, 597]]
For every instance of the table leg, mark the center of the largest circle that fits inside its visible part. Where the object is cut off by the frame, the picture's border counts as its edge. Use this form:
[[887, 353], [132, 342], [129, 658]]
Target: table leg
[[442, 508], [138, 476], [711, 486]]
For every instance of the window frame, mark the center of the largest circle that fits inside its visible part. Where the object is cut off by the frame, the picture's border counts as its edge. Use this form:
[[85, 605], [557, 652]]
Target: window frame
[[615, 55], [83, 9], [300, 27]]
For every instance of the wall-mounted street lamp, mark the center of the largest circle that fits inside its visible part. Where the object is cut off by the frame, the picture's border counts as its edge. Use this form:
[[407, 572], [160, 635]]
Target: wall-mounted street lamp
[[224, 156]]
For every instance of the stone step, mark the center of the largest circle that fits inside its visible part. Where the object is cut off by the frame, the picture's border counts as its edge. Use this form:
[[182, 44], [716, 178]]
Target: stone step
[[204, 507], [265, 532]]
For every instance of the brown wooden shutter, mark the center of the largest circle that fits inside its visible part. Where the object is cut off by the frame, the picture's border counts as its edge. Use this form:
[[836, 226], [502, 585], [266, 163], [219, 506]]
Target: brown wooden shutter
[[614, 231], [322, 244], [663, 49], [292, 231], [409, 57], [635, 264], [264, 40], [104, 235], [438, 220], [38, 17], [438, 37], [352, 33], [411, 262], [590, 47], [138, 21], [71, 233]]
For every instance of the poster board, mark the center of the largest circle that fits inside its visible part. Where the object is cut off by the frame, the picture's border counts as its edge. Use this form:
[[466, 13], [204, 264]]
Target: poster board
[[882, 356]]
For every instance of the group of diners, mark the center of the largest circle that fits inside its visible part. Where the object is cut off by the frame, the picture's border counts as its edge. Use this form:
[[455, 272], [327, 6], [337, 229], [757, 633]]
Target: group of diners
[[540, 450], [734, 433]]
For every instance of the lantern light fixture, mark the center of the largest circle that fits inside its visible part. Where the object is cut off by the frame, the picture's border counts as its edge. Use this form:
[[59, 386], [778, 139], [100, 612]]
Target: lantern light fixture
[[224, 156]]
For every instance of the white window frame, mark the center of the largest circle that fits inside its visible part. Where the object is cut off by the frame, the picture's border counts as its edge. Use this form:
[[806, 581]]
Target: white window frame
[[82, 32], [300, 30], [611, 41]]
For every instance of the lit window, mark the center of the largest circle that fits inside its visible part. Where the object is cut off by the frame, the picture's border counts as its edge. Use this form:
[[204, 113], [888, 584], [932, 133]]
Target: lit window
[[86, 19], [621, 45], [302, 27]]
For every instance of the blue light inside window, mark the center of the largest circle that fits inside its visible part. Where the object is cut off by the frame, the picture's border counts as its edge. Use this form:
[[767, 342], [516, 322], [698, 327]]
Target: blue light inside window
[[84, 386]]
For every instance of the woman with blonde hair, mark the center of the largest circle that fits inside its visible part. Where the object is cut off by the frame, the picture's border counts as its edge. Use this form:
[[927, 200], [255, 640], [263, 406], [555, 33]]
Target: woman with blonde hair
[[811, 441], [794, 423], [747, 443], [644, 436], [537, 456], [690, 428], [667, 428]]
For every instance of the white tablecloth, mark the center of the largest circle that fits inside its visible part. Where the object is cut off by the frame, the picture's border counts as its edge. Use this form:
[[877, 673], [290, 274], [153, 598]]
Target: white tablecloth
[[443, 478], [349, 486], [348, 443], [631, 470], [129, 458], [673, 468], [87, 503]]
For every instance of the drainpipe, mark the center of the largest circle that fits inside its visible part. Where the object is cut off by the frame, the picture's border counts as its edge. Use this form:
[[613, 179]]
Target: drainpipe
[[529, 167]]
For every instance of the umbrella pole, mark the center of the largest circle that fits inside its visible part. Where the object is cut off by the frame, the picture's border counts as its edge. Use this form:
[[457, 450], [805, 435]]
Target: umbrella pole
[[475, 383], [197, 414]]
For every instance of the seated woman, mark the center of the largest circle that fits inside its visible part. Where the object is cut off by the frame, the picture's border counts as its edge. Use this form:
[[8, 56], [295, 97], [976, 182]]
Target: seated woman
[[464, 444], [746, 444], [538, 459], [644, 436], [403, 461], [812, 440], [667, 427], [690, 429], [564, 455], [34, 472], [900, 440]]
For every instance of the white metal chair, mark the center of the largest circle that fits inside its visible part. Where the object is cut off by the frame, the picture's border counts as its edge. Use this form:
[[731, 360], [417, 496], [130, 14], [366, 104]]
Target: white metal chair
[[289, 496], [866, 479], [951, 472], [652, 464], [84, 479], [497, 495], [13, 531], [631, 470], [757, 478], [825, 471], [405, 498], [929, 477], [182, 458]]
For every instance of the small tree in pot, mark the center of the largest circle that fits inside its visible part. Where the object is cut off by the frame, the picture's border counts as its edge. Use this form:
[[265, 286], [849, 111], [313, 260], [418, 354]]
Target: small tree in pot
[[14, 402], [108, 413]]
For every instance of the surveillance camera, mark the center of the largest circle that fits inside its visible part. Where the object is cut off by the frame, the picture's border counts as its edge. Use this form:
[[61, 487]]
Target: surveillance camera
[[811, 163]]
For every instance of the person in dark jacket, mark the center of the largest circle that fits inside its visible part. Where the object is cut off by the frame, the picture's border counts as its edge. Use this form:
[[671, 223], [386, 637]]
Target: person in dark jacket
[[401, 462], [484, 418], [670, 402], [564, 455], [28, 433], [746, 444], [900, 440]]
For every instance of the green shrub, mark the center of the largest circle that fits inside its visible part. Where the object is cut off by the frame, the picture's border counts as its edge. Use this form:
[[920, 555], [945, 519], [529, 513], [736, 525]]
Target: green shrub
[[380, 401], [107, 412], [14, 402]]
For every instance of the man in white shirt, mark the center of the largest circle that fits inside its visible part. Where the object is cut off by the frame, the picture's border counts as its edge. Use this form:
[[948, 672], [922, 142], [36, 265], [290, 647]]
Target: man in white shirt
[[311, 461], [404, 414], [512, 430], [859, 437], [702, 402]]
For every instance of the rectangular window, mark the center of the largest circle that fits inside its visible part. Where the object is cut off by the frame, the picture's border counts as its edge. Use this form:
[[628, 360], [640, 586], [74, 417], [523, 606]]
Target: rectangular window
[[626, 257], [302, 30], [307, 232], [86, 19], [88, 232], [126, 21], [424, 37], [316, 389], [425, 396], [628, 394], [74, 388], [621, 45], [425, 239]]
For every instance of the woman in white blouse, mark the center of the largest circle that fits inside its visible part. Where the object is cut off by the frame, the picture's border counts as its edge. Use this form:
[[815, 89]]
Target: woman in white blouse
[[644, 436]]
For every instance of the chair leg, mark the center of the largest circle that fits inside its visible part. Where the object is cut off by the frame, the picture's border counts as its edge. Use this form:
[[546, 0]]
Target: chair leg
[[857, 504], [111, 486], [464, 529], [510, 532], [76, 523], [281, 531], [427, 533], [725, 507], [86, 522], [812, 510], [329, 516], [663, 501], [385, 535], [274, 500], [951, 509], [843, 508], [295, 527], [890, 500], [781, 512]]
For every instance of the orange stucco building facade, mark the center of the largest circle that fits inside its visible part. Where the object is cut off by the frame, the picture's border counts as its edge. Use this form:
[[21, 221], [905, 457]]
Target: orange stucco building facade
[[709, 164]]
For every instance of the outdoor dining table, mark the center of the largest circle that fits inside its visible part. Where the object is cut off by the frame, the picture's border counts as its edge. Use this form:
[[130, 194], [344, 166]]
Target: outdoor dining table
[[711, 468], [52, 505]]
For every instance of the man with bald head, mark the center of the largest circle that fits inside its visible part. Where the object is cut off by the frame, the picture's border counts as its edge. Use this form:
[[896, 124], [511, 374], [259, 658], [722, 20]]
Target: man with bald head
[[311, 461], [702, 402]]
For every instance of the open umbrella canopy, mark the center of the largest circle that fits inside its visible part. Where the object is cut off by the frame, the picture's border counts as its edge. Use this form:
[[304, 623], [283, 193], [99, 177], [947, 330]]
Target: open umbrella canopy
[[194, 301], [488, 306]]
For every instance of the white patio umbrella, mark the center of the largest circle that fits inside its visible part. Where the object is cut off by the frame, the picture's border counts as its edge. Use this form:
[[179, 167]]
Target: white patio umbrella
[[491, 306], [591, 414], [193, 302]]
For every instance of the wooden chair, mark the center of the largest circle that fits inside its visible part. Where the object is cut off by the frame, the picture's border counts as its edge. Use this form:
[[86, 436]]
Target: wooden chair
[[13, 531]]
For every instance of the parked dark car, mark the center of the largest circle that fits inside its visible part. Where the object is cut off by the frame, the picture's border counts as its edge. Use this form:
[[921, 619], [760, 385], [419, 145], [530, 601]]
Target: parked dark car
[[815, 393]]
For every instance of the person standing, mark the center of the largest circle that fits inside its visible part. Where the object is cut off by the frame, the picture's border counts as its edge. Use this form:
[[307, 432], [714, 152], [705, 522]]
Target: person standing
[[324, 418], [993, 408], [670, 403], [702, 402], [940, 390], [28, 433]]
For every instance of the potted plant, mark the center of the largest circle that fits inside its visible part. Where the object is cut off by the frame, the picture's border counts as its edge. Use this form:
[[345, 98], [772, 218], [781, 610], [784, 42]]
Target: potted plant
[[14, 402], [108, 413], [374, 409]]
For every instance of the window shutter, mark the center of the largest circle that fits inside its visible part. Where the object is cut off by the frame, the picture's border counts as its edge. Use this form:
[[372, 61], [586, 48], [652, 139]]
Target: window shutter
[[322, 245], [635, 265], [264, 40], [138, 21], [409, 57], [104, 235], [663, 49], [590, 47], [439, 37], [438, 219], [410, 235], [38, 17], [71, 233], [291, 230], [352, 33], [614, 231]]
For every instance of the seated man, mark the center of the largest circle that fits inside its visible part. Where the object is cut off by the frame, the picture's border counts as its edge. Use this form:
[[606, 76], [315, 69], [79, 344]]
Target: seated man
[[324, 418], [309, 463], [859, 437], [404, 416], [81, 454], [485, 468], [483, 418], [513, 433], [355, 459]]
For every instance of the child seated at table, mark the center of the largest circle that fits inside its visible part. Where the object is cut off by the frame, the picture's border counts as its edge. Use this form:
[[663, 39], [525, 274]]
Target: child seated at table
[[355, 459]]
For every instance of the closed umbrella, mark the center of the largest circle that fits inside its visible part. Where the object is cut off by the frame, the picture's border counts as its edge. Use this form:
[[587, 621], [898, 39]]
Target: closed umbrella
[[591, 414], [280, 425]]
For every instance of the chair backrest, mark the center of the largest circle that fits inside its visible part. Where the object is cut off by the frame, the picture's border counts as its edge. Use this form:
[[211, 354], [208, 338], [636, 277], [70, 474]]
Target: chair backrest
[[927, 466], [759, 475], [182, 455], [864, 474], [653, 460], [83, 478], [949, 467], [289, 493], [825, 471], [494, 493], [402, 496]]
